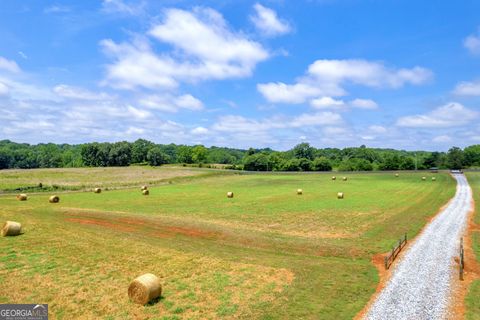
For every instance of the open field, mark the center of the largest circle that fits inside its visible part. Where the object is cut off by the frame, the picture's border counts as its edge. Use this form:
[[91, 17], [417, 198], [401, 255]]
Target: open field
[[87, 178], [473, 297], [265, 254]]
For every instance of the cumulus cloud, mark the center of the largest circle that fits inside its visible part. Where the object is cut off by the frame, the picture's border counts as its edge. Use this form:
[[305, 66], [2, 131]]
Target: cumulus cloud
[[326, 102], [330, 103], [72, 92], [467, 88], [171, 103], [122, 7], [204, 47], [442, 139], [233, 123], [472, 43], [327, 77], [267, 21], [364, 104], [3, 89], [452, 114], [8, 65], [200, 131], [377, 129]]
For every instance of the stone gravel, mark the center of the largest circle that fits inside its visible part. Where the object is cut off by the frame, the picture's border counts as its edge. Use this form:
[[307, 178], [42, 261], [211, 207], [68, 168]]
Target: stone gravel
[[421, 283]]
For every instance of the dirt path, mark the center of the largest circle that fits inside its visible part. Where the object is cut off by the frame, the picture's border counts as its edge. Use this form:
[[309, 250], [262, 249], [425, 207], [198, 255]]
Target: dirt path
[[421, 284]]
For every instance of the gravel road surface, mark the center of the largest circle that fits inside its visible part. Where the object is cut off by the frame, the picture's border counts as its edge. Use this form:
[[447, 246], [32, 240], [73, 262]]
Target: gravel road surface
[[420, 286]]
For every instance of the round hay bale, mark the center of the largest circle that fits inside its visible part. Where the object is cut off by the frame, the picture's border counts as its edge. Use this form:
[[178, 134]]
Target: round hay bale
[[340, 195], [334, 178], [22, 197], [97, 190], [144, 188], [424, 178], [230, 194], [145, 192], [434, 179], [145, 288], [397, 175], [54, 199], [344, 178], [299, 192], [11, 228]]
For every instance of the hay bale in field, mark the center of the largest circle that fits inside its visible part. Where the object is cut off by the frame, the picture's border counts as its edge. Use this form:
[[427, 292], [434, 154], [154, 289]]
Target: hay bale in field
[[97, 190], [299, 191], [340, 195], [434, 179], [344, 178], [334, 178], [144, 188], [54, 199], [145, 192], [424, 178], [145, 288], [397, 175], [22, 197], [230, 194], [11, 228]]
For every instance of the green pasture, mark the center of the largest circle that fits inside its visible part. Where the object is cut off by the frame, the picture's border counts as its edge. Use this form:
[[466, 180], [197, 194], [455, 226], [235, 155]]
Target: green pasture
[[268, 253]]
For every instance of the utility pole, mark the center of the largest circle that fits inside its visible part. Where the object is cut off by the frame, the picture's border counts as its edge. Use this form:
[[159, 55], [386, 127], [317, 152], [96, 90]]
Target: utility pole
[[415, 161]]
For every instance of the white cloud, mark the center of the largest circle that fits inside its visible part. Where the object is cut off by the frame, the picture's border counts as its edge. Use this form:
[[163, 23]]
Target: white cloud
[[327, 77], [200, 131], [23, 55], [57, 9], [364, 104], [377, 129], [169, 103], [188, 101], [3, 89], [78, 93], [232, 123], [267, 21], [442, 139], [472, 43], [119, 6], [452, 114], [9, 65], [204, 47], [467, 88], [326, 102], [279, 92]]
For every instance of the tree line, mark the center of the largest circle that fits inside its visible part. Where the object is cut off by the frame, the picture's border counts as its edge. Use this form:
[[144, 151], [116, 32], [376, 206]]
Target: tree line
[[302, 157]]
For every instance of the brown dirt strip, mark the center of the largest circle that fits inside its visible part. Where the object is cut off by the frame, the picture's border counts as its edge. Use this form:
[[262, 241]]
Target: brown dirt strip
[[471, 271]]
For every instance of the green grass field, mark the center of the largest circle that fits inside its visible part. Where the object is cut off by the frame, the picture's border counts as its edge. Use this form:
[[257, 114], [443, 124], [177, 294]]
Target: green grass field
[[87, 178], [265, 254], [473, 296]]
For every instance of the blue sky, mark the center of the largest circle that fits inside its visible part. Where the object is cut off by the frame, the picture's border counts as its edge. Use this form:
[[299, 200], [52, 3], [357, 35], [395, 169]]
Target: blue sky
[[397, 74]]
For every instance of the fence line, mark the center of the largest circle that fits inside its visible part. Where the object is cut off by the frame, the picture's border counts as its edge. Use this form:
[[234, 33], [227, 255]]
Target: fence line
[[462, 261], [395, 251]]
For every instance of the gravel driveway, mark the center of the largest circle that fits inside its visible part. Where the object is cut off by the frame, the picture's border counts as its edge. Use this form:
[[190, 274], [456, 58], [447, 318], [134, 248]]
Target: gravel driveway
[[420, 287]]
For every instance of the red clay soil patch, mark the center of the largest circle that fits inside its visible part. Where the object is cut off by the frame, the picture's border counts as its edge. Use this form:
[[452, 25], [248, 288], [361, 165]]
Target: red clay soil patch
[[102, 223], [471, 271], [153, 228], [190, 232]]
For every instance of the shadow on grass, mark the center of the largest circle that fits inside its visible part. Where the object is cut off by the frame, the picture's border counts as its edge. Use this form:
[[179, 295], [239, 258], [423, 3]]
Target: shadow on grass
[[154, 301]]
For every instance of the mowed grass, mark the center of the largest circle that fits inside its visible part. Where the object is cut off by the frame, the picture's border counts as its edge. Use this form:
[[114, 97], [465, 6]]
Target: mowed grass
[[473, 296], [265, 254], [87, 178]]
